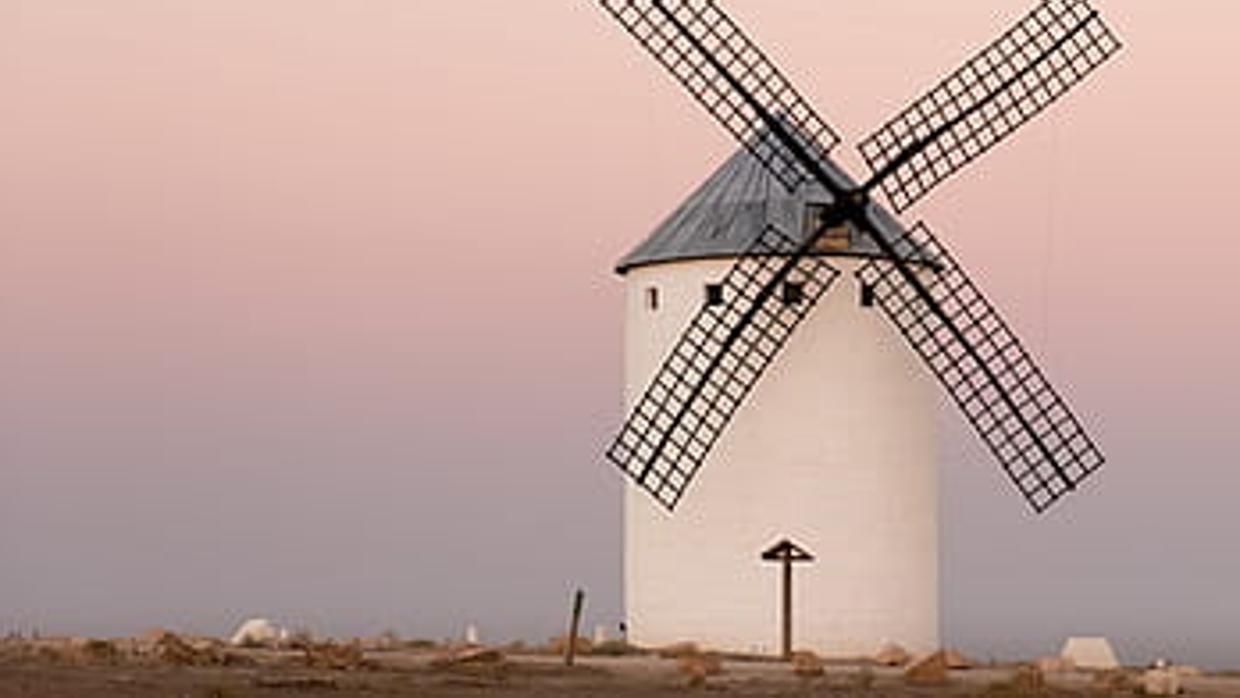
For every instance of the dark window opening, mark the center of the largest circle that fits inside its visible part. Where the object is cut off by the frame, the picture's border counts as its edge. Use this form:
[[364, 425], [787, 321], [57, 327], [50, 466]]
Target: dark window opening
[[867, 295], [714, 294], [834, 239], [794, 294], [652, 299]]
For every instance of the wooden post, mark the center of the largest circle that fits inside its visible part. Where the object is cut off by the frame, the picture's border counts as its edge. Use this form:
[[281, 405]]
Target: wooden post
[[787, 554], [570, 655], [787, 634]]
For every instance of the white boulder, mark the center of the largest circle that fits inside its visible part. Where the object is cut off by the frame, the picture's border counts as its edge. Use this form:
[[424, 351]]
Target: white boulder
[[258, 632], [1161, 682]]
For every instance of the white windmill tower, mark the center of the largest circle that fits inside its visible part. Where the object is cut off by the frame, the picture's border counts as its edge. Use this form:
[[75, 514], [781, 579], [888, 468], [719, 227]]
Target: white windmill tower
[[809, 456], [822, 439]]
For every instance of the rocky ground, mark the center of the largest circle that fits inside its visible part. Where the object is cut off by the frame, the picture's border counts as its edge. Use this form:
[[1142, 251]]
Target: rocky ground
[[169, 666]]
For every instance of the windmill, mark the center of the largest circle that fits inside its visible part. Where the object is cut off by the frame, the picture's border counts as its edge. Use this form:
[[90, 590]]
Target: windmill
[[728, 370]]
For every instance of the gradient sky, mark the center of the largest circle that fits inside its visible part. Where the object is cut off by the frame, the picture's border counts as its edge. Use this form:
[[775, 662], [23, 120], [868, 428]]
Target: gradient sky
[[308, 311]]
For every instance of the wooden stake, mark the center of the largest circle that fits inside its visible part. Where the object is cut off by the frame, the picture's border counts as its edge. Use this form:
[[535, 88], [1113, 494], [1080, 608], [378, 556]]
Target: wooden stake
[[570, 654]]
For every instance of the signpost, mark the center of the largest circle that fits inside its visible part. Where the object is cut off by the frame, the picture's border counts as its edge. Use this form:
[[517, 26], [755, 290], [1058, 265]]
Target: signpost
[[787, 553]]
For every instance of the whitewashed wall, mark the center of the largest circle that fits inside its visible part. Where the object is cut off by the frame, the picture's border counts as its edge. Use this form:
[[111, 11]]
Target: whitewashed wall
[[833, 449]]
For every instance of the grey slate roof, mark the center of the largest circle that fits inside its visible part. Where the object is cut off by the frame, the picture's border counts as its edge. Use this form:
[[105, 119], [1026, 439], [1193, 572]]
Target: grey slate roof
[[732, 208]]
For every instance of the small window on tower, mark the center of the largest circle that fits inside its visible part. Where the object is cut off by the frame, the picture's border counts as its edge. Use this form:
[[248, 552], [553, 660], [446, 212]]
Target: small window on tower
[[867, 295], [794, 294], [652, 299], [714, 294]]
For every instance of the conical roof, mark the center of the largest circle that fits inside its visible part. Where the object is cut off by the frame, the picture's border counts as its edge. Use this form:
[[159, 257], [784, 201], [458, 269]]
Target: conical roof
[[734, 206]]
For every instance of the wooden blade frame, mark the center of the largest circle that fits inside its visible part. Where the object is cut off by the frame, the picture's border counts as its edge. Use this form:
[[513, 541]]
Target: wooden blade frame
[[715, 364], [736, 87], [729, 75], [1014, 79], [1029, 428]]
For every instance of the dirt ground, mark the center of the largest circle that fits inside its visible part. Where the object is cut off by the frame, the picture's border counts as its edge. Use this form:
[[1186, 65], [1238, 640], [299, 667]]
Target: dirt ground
[[273, 674]]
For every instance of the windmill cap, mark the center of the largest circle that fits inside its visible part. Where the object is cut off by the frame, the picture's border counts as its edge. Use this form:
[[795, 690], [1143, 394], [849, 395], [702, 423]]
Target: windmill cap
[[727, 213]]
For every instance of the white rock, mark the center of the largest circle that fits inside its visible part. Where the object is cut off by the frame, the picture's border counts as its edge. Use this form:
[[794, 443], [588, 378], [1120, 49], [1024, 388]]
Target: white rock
[[258, 631], [471, 635], [1161, 682]]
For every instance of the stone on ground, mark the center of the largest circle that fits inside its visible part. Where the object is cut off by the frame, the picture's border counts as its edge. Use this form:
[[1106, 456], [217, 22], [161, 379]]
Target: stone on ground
[[257, 632], [1161, 682], [956, 660], [891, 654], [170, 648], [335, 657], [1112, 681], [808, 665], [697, 667], [930, 670]]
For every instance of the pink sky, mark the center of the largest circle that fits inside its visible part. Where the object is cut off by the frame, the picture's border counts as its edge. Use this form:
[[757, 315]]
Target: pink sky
[[322, 290]]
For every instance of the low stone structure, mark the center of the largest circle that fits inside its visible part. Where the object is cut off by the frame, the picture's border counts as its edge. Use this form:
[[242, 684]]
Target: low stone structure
[[1094, 653]]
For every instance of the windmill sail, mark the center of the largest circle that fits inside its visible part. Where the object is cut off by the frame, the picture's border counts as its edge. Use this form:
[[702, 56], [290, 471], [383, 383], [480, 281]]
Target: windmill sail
[[729, 75], [1008, 83], [974, 354], [727, 347], [1046, 453]]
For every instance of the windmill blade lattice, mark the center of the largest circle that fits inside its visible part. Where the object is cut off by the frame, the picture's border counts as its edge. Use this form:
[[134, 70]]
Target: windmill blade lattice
[[727, 347], [694, 395], [1007, 84], [974, 354], [729, 75]]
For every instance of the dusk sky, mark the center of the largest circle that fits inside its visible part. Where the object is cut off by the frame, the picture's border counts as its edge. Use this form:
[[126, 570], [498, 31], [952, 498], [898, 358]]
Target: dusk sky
[[307, 309]]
